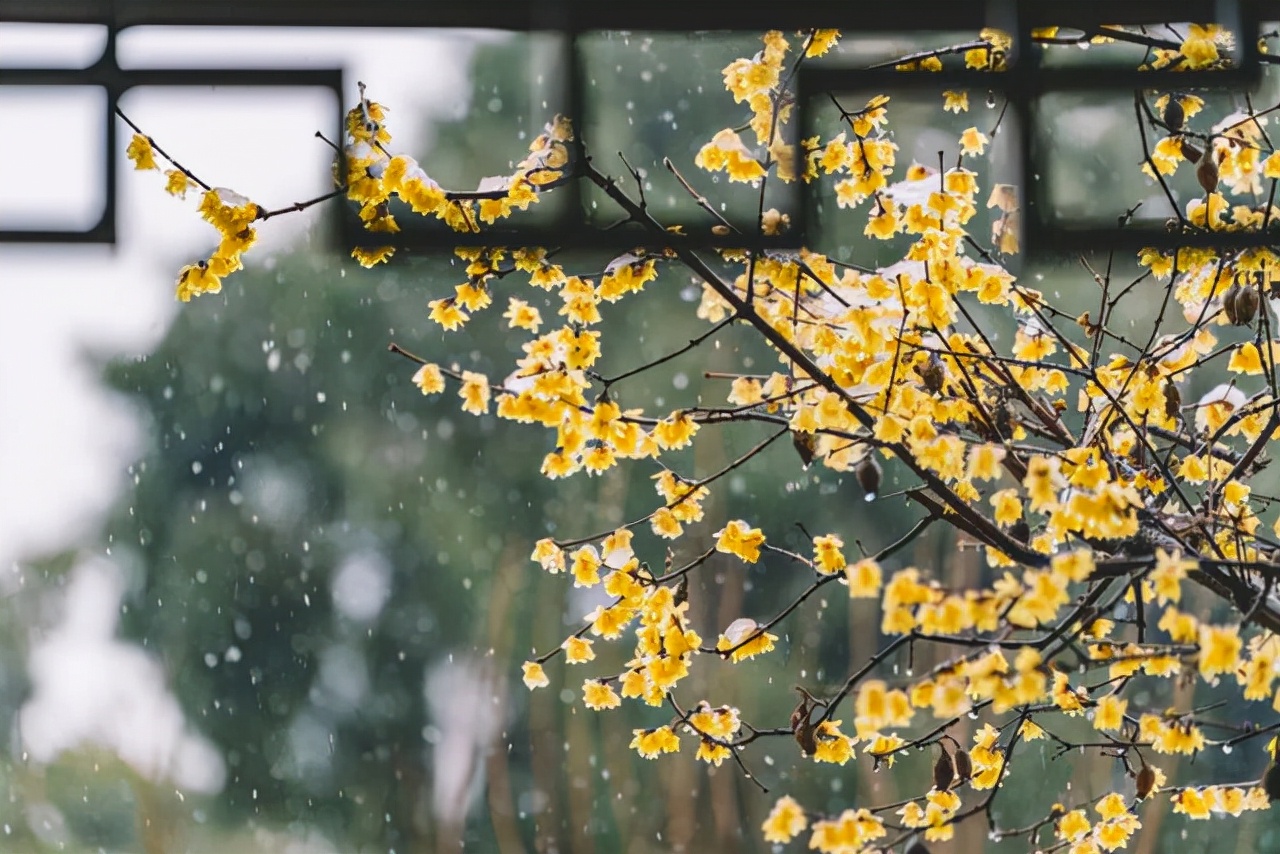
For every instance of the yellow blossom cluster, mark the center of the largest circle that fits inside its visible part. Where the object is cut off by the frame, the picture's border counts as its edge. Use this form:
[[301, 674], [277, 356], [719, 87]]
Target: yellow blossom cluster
[[227, 211], [1099, 496], [374, 177]]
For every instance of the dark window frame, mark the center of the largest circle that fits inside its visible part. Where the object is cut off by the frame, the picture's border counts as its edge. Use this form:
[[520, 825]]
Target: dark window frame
[[1024, 85]]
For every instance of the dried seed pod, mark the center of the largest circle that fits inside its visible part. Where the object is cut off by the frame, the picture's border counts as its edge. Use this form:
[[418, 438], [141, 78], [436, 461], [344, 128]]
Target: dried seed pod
[[944, 771], [1271, 783], [1246, 305], [1172, 399], [1207, 172], [932, 373], [1174, 115], [1229, 303], [802, 728], [869, 476], [806, 445], [1146, 781], [964, 765], [800, 714], [682, 591], [1189, 151], [804, 733]]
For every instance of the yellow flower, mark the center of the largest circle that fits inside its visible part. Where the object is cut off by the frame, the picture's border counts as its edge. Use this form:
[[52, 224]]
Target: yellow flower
[[1166, 578], [884, 224], [585, 567], [141, 153], [726, 152], [1199, 47], [196, 279], [1073, 825], [737, 539], [710, 752], [474, 393], [1219, 649], [675, 431], [1074, 566], [739, 631], [1246, 360], [577, 650], [833, 745], [1064, 696], [984, 462], [821, 42], [864, 578], [1008, 507], [609, 622], [548, 555], [849, 832], [651, 742], [177, 183], [785, 820], [956, 102], [598, 694], [521, 315], [827, 556], [1031, 731], [1109, 713], [446, 313], [973, 142], [1192, 803], [372, 257], [534, 676], [429, 379]]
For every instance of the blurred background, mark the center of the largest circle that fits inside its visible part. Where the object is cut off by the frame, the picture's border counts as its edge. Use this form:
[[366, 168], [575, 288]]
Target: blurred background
[[259, 595]]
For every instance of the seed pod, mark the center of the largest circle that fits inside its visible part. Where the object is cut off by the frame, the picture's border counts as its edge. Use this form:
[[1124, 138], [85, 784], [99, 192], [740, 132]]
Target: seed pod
[[1189, 151], [1271, 783], [869, 475], [1207, 172], [1172, 399], [932, 373], [1229, 303], [802, 728], [1146, 781], [964, 765], [806, 445], [805, 737], [682, 591], [944, 771], [1174, 115], [1247, 302]]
